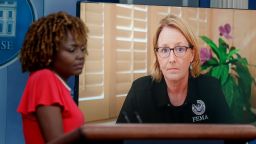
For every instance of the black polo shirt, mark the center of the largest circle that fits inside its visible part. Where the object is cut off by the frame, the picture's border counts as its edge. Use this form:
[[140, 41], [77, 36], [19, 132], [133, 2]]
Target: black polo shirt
[[148, 102]]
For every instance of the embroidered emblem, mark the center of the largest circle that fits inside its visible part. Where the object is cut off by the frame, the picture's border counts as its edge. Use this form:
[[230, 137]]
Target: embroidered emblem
[[199, 107]]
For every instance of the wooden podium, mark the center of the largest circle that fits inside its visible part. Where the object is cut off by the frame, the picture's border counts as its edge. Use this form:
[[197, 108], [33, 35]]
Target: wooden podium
[[120, 132]]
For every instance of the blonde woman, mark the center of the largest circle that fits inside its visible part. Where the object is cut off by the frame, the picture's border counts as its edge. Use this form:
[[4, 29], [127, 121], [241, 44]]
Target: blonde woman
[[175, 92]]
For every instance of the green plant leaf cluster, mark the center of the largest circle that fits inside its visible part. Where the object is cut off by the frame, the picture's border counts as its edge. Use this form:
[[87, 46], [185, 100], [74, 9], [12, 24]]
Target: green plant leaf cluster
[[232, 71]]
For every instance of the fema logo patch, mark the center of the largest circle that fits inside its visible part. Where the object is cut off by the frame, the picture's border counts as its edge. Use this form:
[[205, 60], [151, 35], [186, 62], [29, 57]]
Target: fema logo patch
[[199, 107], [15, 18]]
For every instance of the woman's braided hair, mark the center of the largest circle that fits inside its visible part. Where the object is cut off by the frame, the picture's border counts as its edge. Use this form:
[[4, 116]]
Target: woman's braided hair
[[42, 40]]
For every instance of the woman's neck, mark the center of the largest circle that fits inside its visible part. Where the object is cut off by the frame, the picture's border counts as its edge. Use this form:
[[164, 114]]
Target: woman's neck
[[177, 91], [65, 79]]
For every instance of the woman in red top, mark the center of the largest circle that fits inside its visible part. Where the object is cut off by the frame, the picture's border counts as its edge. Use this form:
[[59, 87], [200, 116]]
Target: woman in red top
[[53, 50]]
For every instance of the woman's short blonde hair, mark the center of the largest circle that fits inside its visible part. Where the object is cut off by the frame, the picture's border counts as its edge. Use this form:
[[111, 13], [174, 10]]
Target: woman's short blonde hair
[[182, 26]]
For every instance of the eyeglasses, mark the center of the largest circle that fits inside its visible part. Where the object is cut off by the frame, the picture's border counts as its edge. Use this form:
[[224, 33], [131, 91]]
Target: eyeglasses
[[179, 51]]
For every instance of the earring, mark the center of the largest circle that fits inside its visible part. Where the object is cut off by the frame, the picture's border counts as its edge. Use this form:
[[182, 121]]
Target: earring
[[49, 61], [191, 67]]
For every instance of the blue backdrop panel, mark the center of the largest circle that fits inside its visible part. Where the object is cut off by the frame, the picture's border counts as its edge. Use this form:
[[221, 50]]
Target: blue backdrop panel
[[3, 94], [252, 4], [16, 17], [12, 80], [204, 3], [15, 87]]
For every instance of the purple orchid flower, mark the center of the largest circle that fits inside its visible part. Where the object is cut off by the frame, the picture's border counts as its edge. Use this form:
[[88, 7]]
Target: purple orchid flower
[[225, 31], [205, 54]]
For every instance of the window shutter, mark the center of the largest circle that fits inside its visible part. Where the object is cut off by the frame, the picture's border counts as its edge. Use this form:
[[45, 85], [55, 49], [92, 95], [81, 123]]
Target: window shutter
[[131, 41]]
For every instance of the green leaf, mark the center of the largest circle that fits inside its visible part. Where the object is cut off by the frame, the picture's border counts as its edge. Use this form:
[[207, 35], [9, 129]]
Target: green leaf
[[238, 55], [228, 90], [224, 73], [223, 46], [233, 98], [210, 63], [245, 80], [232, 60], [242, 104], [220, 72], [213, 61], [231, 53], [242, 61], [212, 45], [216, 72]]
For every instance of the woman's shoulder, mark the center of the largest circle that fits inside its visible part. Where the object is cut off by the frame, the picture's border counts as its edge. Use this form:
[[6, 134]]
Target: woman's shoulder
[[143, 80], [207, 83], [42, 74], [142, 83]]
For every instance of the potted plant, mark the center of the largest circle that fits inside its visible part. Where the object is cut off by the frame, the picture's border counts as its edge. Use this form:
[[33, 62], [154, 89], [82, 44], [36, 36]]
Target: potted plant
[[226, 64]]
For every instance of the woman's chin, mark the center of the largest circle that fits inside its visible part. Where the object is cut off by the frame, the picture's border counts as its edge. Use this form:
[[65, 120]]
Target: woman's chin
[[78, 72], [173, 77]]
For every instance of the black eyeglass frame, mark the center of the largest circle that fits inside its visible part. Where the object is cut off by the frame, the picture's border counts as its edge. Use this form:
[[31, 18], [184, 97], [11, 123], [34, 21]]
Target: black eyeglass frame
[[173, 49]]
